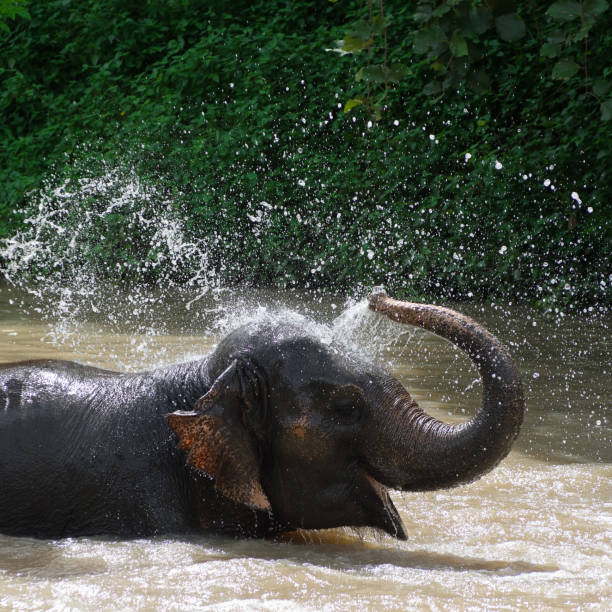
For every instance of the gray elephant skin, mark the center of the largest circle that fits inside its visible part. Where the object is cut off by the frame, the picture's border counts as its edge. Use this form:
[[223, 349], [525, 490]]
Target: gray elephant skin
[[274, 431]]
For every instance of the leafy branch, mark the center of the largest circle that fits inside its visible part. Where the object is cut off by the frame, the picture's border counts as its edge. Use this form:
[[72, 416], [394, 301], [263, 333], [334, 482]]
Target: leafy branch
[[10, 9], [369, 35], [574, 21], [454, 36]]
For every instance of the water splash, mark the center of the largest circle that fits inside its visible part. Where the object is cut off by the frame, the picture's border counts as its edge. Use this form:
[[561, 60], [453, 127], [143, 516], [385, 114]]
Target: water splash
[[108, 226], [79, 236]]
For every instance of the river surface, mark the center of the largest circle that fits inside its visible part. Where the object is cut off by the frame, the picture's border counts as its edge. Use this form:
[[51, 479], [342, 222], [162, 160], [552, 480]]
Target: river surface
[[534, 534]]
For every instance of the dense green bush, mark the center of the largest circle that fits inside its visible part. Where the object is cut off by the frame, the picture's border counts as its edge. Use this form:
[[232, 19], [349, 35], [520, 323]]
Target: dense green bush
[[234, 112]]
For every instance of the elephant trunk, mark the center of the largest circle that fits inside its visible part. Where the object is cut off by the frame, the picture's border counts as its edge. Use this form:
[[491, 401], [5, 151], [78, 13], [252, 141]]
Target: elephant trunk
[[428, 454]]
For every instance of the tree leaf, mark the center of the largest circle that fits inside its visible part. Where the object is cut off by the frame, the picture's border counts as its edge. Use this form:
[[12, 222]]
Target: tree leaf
[[423, 13], [606, 110], [380, 24], [457, 44], [557, 36], [593, 8], [432, 88], [442, 9], [352, 44], [480, 19], [427, 38], [396, 72], [339, 48], [352, 103], [582, 33], [565, 69], [601, 87], [359, 29], [372, 74], [564, 9], [550, 50], [510, 27]]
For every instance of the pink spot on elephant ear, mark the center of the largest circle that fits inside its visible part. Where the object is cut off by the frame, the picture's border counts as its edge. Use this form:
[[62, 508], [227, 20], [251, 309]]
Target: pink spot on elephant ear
[[224, 452], [185, 426]]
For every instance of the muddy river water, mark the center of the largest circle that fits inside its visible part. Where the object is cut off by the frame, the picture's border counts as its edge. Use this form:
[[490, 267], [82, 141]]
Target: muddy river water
[[534, 534]]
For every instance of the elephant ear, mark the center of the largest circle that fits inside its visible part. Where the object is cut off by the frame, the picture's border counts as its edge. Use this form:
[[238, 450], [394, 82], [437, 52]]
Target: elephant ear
[[216, 439]]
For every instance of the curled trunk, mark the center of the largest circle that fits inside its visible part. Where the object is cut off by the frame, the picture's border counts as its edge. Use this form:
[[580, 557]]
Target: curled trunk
[[429, 454]]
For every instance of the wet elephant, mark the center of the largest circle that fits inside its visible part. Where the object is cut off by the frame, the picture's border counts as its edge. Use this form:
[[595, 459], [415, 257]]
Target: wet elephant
[[273, 431]]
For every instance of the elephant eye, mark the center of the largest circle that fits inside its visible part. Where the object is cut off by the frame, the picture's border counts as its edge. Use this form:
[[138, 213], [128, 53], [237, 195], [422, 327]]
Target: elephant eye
[[346, 410]]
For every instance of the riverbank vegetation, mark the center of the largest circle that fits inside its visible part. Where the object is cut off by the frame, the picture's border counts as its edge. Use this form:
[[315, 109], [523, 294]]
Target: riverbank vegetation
[[448, 150]]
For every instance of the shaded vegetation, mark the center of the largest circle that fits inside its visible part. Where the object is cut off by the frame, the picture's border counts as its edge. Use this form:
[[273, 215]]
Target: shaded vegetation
[[235, 113]]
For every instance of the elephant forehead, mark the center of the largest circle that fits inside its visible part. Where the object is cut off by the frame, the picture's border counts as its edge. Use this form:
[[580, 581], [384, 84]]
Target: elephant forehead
[[307, 360]]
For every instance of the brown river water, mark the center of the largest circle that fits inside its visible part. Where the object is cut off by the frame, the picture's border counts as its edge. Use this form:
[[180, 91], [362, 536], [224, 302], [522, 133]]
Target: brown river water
[[534, 534]]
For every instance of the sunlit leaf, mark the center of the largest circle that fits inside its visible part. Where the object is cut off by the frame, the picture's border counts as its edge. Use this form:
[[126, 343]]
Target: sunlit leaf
[[338, 48], [350, 44], [565, 69], [564, 9], [510, 27], [352, 103]]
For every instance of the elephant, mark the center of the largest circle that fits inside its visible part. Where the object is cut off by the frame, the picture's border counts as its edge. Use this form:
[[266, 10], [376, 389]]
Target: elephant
[[273, 431]]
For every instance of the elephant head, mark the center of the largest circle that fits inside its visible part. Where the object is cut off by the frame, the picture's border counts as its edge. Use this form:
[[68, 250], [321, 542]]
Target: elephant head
[[313, 435]]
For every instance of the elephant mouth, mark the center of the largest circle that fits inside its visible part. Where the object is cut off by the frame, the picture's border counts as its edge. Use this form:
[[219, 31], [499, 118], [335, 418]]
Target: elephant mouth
[[381, 511]]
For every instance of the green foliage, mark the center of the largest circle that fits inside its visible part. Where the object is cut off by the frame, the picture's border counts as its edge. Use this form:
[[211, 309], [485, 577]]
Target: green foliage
[[369, 34], [256, 141], [576, 24], [458, 38], [10, 9]]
